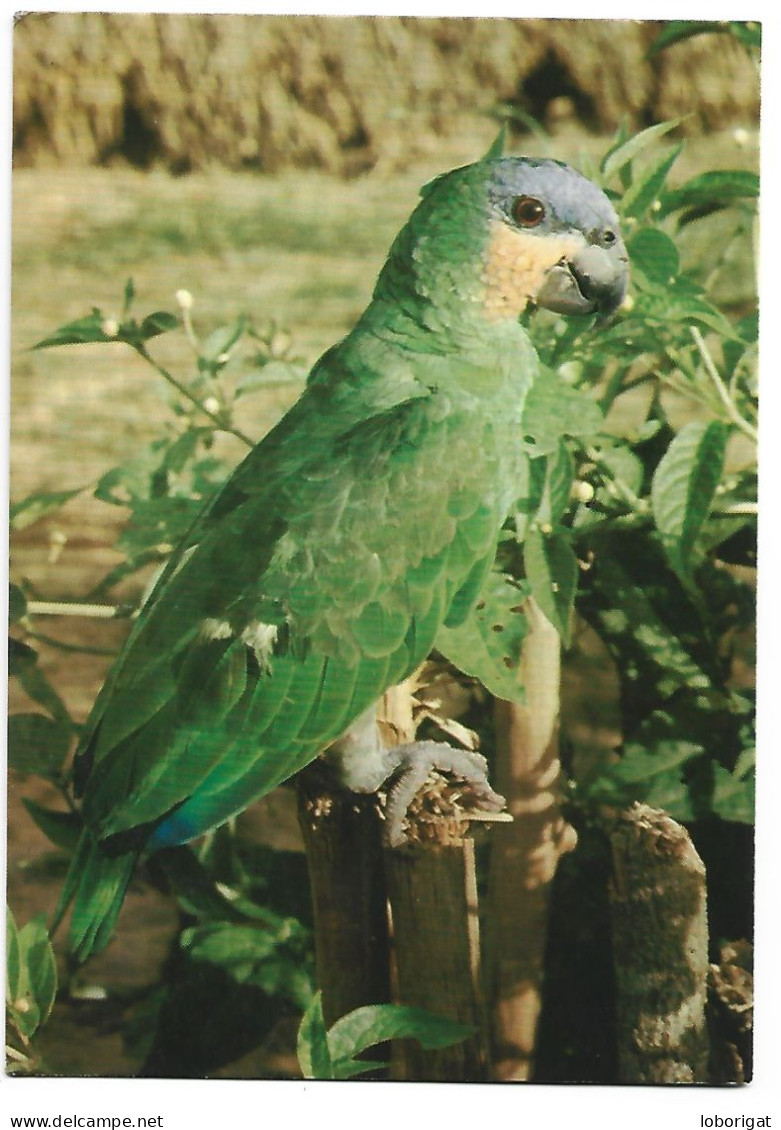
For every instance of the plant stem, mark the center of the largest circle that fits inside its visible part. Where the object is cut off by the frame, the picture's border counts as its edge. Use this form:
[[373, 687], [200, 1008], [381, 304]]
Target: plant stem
[[184, 391], [66, 608], [710, 368], [736, 508]]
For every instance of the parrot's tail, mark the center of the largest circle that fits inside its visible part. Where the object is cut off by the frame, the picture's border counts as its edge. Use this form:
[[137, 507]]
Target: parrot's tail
[[96, 884]]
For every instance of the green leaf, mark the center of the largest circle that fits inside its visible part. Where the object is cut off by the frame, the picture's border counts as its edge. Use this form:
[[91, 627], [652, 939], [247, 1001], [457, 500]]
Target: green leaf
[[559, 473], [36, 506], [616, 461], [31, 982], [553, 409], [158, 323], [80, 332], [531, 487], [23, 665], [655, 254], [673, 760], [14, 968], [733, 795], [128, 297], [177, 455], [270, 959], [314, 1056], [195, 888], [683, 488], [652, 776], [498, 145], [717, 188], [552, 572], [625, 153], [677, 30], [375, 1024], [488, 644], [691, 308], [36, 949], [645, 189], [222, 339], [120, 485], [157, 522], [17, 604], [62, 828], [36, 744], [277, 372], [655, 632]]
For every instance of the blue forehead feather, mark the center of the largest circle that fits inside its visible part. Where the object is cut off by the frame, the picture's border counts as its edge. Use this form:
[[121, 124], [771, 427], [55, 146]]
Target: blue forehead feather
[[572, 201]]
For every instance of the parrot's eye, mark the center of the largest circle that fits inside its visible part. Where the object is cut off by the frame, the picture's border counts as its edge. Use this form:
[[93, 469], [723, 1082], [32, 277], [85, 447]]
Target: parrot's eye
[[528, 211], [608, 237]]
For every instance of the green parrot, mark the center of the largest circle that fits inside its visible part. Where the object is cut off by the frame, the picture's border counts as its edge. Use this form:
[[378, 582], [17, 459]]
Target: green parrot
[[366, 521]]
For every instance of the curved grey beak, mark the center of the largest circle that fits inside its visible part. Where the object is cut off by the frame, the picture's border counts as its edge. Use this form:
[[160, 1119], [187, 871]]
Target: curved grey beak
[[592, 281]]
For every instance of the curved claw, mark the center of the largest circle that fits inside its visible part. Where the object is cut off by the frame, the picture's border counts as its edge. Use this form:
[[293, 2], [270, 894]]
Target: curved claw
[[416, 761]]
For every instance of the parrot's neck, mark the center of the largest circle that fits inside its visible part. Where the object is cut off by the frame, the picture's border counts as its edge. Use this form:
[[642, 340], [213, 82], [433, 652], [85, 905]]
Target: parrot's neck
[[432, 289]]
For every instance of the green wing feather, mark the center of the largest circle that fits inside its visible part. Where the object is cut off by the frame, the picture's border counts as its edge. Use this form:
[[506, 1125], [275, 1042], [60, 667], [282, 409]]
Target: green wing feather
[[351, 534]]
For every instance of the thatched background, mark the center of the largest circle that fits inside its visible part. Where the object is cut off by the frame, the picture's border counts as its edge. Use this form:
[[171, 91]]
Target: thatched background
[[343, 94]]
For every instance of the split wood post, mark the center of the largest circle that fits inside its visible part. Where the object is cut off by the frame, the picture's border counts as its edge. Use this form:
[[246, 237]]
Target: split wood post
[[660, 948], [432, 893], [525, 854], [342, 839], [344, 855]]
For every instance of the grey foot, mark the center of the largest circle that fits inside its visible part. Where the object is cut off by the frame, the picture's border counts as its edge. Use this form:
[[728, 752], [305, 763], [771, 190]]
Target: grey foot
[[415, 762]]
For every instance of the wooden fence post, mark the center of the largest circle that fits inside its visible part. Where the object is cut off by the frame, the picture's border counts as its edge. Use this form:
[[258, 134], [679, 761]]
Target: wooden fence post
[[342, 840], [433, 898], [525, 854], [660, 950]]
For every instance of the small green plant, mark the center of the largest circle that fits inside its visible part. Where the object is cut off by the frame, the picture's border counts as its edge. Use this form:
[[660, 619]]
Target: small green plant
[[31, 986], [332, 1054]]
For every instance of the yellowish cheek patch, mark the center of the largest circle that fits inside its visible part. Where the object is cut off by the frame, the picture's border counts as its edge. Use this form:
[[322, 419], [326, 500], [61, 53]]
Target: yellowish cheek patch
[[515, 266]]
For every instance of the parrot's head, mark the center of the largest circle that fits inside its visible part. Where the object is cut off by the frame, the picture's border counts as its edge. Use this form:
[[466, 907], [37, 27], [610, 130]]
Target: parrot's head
[[507, 234], [553, 241]]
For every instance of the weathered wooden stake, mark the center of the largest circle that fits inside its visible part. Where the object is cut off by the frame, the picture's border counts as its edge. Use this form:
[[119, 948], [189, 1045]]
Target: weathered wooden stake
[[342, 839], [660, 948], [432, 892], [525, 854]]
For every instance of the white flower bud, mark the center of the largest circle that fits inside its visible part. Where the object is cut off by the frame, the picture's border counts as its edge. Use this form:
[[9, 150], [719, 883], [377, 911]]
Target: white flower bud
[[582, 491], [110, 327], [184, 299], [741, 137], [279, 344], [212, 404]]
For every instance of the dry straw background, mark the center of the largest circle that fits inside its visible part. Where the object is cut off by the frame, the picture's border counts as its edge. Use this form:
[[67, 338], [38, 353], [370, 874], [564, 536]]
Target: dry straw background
[[347, 94]]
